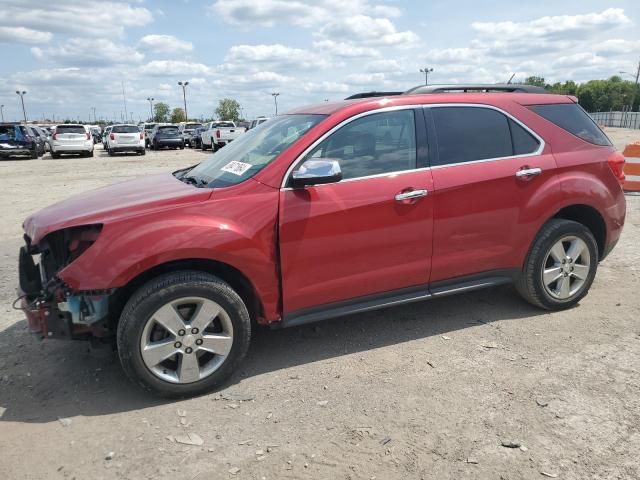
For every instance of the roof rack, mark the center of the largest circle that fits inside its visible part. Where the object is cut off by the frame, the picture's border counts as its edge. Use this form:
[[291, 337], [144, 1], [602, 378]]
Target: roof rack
[[372, 94], [464, 88]]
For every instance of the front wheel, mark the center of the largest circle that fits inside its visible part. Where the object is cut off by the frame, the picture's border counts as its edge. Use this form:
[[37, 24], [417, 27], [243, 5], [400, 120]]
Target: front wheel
[[183, 334], [561, 265]]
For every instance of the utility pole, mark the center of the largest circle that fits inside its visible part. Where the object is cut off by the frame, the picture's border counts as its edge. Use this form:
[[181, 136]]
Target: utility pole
[[94, 115], [184, 97], [635, 85], [2, 112], [426, 71], [275, 100], [22, 93], [150, 100], [124, 100]]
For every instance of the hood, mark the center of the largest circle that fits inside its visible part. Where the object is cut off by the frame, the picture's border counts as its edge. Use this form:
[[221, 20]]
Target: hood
[[121, 200]]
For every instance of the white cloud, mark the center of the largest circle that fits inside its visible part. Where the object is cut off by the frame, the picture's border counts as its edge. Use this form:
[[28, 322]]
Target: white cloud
[[174, 67], [165, 44], [345, 49], [365, 30], [277, 56], [23, 35], [89, 18], [554, 26], [82, 52]]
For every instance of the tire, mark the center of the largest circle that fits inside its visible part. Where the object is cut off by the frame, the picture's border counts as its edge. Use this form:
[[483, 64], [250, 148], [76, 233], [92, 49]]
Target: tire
[[216, 147], [54, 155], [143, 152], [182, 147], [579, 272], [90, 154], [34, 154], [109, 152], [137, 325]]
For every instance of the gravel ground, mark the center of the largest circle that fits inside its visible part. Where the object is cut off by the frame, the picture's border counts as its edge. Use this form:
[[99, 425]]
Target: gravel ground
[[424, 391]]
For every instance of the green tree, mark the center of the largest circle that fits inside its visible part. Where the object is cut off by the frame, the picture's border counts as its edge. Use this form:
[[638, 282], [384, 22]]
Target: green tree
[[160, 112], [228, 109], [536, 81], [177, 115]]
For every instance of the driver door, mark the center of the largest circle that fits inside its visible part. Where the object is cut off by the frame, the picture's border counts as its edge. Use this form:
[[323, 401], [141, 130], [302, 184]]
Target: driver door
[[370, 233]]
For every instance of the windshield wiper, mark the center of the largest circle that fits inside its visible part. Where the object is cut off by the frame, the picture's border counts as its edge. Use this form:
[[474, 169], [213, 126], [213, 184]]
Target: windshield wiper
[[198, 182]]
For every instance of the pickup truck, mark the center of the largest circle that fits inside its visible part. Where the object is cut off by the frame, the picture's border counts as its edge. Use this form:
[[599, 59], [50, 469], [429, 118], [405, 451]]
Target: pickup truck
[[218, 134], [330, 210]]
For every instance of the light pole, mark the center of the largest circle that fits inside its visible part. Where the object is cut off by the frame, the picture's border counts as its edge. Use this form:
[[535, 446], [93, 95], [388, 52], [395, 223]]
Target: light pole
[[635, 86], [275, 100], [94, 115], [184, 97], [150, 100], [426, 71], [22, 93], [2, 112]]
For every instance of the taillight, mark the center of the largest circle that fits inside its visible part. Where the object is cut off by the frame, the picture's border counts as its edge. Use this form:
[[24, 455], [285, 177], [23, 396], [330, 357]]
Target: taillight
[[616, 164], [112, 136], [54, 136], [141, 136], [88, 136], [217, 133]]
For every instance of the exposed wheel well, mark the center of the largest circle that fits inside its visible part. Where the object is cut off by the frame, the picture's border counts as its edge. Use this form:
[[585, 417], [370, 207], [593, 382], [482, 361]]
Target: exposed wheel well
[[229, 274], [590, 218]]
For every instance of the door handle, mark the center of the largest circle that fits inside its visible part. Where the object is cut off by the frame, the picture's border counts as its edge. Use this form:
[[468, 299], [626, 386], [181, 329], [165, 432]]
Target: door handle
[[401, 197], [526, 173]]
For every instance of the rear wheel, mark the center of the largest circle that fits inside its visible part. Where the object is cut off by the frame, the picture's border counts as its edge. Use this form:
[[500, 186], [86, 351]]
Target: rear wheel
[[203, 145], [90, 154], [110, 152], [561, 265], [183, 333], [143, 152]]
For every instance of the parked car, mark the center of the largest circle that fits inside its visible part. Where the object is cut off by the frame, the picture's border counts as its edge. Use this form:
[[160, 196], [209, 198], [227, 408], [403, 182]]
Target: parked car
[[71, 138], [218, 134], [166, 136], [257, 121], [41, 139], [96, 134], [105, 135], [125, 138], [196, 137], [187, 130], [324, 212], [45, 135], [147, 128], [19, 140]]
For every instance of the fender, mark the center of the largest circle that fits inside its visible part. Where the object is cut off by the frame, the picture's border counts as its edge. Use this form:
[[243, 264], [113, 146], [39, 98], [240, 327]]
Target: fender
[[241, 234]]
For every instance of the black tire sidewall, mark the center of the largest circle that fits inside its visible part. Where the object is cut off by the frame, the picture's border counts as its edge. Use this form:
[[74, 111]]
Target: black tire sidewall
[[160, 291]]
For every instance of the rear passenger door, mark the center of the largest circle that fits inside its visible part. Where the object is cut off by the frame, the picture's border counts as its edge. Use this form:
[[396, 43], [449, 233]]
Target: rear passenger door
[[489, 175]]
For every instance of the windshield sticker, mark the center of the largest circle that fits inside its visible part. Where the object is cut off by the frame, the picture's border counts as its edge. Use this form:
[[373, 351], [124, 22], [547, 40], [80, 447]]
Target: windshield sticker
[[235, 167]]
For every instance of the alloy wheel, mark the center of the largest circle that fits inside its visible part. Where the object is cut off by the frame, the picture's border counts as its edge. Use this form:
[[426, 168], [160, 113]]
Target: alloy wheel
[[186, 340], [566, 268]]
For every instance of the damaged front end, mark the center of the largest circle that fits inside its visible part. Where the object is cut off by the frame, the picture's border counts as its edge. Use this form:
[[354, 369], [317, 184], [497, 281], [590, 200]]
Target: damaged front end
[[52, 308]]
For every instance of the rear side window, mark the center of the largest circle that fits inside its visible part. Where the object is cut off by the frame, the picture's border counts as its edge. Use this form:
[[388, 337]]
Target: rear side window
[[125, 129], [573, 119], [70, 129], [7, 132], [467, 134]]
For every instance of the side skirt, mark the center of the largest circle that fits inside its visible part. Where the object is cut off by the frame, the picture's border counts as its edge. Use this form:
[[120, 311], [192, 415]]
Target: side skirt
[[396, 297]]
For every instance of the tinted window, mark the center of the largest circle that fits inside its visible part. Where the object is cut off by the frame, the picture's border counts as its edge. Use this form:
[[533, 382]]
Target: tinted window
[[168, 130], [523, 141], [70, 129], [222, 124], [573, 119], [125, 129], [192, 126], [466, 134], [374, 144]]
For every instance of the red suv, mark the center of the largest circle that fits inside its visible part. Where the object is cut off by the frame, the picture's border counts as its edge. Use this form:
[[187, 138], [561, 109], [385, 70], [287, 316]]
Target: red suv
[[329, 210]]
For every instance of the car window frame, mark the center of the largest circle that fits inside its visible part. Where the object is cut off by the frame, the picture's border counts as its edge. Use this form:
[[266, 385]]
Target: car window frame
[[421, 141], [433, 140]]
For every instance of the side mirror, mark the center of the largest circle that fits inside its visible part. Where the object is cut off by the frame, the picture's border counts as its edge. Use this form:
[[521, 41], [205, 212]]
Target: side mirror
[[316, 172]]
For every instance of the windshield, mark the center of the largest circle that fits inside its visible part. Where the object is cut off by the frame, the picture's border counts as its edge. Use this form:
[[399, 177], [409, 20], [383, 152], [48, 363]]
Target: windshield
[[252, 151], [222, 125], [170, 130]]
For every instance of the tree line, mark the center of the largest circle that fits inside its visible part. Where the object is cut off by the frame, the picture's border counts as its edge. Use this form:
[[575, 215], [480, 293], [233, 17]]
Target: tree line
[[228, 109], [614, 93]]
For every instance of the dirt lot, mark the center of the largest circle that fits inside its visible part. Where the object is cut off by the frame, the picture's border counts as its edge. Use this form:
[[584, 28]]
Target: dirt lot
[[428, 390]]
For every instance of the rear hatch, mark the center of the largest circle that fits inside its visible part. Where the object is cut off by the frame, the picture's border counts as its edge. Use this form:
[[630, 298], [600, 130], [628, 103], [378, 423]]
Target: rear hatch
[[11, 137], [70, 135], [126, 134], [168, 132]]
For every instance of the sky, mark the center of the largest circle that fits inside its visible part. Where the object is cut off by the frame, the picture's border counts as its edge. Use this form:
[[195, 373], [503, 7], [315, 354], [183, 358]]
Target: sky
[[73, 55]]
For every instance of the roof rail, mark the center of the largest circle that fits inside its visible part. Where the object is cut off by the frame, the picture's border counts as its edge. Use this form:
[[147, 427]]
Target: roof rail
[[464, 88], [372, 94]]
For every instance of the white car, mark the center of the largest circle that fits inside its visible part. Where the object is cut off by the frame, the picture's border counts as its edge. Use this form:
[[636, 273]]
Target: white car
[[125, 138], [71, 138]]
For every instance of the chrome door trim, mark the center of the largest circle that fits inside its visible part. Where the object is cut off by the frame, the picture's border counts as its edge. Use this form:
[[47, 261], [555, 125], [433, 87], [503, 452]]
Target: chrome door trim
[[528, 172], [411, 194]]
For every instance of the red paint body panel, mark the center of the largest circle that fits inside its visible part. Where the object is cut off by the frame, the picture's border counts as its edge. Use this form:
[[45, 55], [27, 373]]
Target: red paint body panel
[[334, 242], [350, 239]]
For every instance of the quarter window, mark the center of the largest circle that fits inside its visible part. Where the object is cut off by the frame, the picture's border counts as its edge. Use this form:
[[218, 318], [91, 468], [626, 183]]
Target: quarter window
[[467, 134], [374, 144]]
